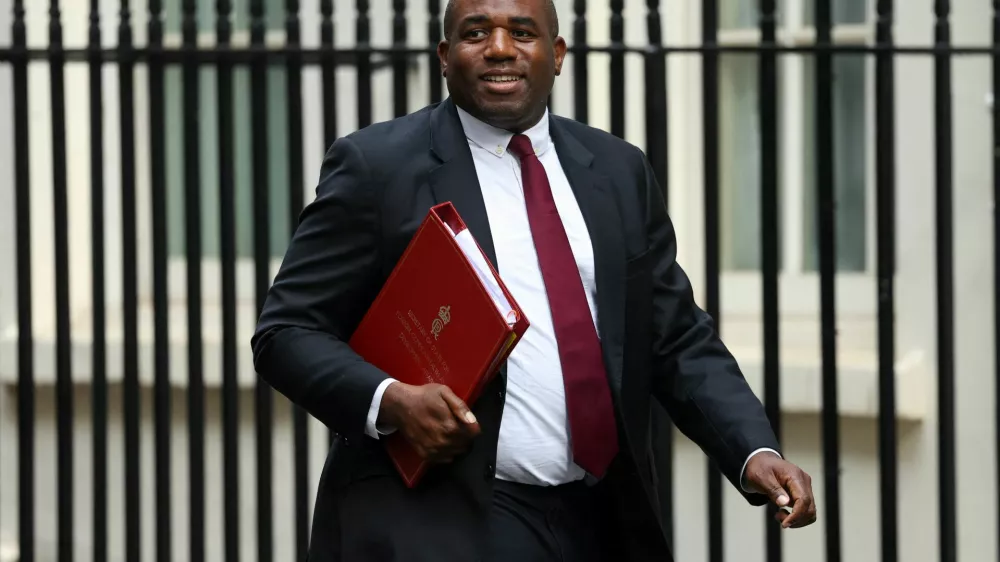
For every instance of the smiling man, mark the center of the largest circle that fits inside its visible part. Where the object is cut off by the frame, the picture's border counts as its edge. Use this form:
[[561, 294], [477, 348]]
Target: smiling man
[[554, 461]]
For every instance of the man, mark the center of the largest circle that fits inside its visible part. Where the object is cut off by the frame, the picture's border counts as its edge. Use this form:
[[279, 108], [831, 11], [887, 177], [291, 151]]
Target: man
[[553, 462]]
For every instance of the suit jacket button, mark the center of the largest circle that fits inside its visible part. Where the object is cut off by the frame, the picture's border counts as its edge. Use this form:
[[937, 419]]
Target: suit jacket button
[[488, 473]]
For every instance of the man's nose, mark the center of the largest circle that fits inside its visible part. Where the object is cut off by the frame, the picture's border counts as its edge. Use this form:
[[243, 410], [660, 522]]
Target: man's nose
[[500, 46]]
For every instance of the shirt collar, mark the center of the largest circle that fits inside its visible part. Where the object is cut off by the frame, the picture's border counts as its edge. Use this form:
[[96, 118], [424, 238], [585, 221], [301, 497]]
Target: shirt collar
[[495, 141]]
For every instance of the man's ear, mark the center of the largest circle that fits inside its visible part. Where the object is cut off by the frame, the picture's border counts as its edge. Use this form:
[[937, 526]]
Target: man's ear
[[559, 48], [442, 51]]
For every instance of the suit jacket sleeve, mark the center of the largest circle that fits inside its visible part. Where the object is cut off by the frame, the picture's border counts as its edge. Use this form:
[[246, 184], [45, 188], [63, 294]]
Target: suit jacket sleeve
[[327, 279], [694, 376]]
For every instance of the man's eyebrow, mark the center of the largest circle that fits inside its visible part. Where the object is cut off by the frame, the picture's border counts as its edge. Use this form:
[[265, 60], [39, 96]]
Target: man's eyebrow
[[475, 18], [524, 20]]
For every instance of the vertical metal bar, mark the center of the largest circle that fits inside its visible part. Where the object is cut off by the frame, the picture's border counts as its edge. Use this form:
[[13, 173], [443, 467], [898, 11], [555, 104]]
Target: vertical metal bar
[[580, 98], [192, 229], [300, 420], [885, 162], [656, 150], [99, 383], [329, 94], [945, 283], [710, 124], [996, 244], [825, 216], [656, 98], [25, 340], [400, 100], [130, 396], [329, 75], [433, 37], [161, 344], [262, 274], [769, 239], [161, 365], [64, 375], [227, 250], [617, 69], [364, 63]]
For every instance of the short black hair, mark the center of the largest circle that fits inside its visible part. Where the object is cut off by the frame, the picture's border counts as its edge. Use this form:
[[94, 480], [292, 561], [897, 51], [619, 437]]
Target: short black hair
[[550, 9]]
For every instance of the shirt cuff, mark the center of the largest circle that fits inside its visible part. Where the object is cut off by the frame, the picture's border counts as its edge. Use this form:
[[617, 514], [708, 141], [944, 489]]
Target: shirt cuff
[[743, 481], [372, 428]]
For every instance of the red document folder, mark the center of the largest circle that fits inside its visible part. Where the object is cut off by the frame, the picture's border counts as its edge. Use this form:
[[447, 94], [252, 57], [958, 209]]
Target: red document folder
[[444, 316]]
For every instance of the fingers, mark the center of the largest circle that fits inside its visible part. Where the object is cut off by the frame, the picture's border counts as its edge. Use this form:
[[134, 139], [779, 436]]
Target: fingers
[[457, 406], [803, 507], [786, 486], [454, 425], [782, 514], [443, 445], [447, 446], [441, 425], [774, 490]]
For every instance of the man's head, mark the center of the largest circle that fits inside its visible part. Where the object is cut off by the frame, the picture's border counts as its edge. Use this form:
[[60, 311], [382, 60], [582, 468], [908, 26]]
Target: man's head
[[500, 58]]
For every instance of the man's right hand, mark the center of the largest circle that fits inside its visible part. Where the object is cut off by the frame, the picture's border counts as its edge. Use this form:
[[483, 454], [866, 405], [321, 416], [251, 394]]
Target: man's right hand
[[431, 417]]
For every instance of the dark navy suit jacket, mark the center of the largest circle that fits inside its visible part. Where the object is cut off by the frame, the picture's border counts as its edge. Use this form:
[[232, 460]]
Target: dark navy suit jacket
[[376, 185]]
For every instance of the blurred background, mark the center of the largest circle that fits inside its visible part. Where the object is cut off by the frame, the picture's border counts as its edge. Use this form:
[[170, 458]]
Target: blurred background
[[830, 167]]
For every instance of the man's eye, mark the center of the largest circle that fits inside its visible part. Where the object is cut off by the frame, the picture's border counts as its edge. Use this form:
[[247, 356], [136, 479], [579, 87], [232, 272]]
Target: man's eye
[[520, 33], [475, 33]]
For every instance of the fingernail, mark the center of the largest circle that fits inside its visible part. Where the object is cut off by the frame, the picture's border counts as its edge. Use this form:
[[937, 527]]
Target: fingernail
[[470, 417], [782, 500]]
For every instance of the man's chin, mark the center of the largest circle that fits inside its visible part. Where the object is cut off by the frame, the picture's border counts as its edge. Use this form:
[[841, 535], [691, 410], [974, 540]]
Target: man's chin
[[502, 113]]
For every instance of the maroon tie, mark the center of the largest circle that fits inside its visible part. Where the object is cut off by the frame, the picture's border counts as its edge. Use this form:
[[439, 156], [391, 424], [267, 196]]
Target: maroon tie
[[588, 398]]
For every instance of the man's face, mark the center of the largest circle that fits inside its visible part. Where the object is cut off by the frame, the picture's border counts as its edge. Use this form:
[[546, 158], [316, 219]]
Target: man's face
[[500, 60]]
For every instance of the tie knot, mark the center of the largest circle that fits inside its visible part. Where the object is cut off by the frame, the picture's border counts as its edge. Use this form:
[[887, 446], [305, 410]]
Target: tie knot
[[520, 145]]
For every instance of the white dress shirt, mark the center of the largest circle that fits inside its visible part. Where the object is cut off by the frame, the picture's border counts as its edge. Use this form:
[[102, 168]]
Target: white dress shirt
[[534, 446]]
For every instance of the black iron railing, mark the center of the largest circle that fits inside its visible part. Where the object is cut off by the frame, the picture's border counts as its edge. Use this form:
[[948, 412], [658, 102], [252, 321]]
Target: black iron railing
[[366, 59]]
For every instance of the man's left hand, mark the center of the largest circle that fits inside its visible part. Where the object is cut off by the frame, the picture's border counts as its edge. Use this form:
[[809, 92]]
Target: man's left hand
[[786, 485]]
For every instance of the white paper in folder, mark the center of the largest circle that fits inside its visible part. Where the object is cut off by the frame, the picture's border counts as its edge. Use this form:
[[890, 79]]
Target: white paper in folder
[[468, 245]]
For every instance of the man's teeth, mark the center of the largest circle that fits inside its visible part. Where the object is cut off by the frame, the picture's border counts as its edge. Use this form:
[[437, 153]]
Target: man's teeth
[[502, 78]]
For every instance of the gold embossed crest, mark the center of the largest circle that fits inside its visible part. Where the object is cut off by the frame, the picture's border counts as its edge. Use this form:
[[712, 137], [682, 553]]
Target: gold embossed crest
[[444, 316]]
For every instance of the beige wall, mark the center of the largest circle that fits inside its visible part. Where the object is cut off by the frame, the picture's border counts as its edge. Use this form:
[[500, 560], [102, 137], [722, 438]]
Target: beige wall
[[800, 397], [7, 276]]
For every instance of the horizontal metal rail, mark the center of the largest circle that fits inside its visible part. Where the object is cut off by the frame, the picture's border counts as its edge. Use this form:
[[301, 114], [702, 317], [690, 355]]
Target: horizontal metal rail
[[345, 55]]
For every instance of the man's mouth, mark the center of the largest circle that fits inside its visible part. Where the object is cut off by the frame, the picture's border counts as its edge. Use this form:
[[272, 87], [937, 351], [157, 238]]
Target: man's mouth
[[501, 78]]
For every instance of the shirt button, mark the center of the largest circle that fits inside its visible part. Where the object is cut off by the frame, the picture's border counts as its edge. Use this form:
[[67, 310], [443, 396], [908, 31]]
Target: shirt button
[[499, 150], [488, 473]]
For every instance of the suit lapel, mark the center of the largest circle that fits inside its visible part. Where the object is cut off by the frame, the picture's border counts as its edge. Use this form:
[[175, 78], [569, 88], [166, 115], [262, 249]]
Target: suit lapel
[[455, 179], [592, 191]]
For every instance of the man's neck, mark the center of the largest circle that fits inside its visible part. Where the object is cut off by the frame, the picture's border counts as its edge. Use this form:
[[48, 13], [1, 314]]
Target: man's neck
[[515, 129]]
